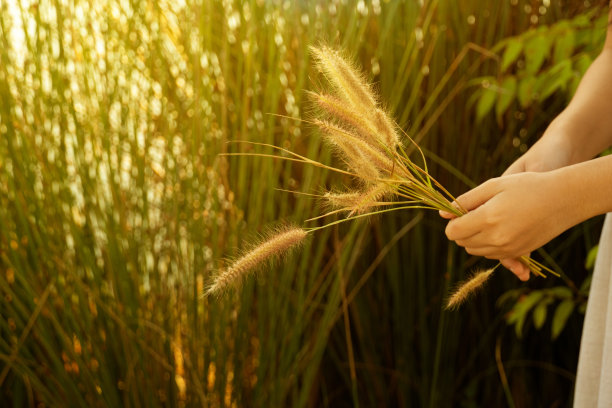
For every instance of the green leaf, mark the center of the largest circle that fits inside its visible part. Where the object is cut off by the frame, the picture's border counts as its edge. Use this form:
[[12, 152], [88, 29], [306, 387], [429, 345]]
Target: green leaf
[[485, 103], [564, 45], [562, 292], [521, 310], [525, 91], [506, 96], [590, 258], [573, 86], [581, 21], [554, 79], [511, 53], [563, 312], [539, 313], [582, 63], [509, 295], [585, 287], [536, 51]]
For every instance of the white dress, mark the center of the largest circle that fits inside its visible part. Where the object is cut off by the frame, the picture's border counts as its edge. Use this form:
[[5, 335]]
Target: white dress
[[594, 377]]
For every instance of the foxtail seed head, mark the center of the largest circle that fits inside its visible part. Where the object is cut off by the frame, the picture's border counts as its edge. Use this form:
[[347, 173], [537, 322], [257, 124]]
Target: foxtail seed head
[[338, 111], [358, 201], [468, 287], [239, 270], [356, 150], [353, 154], [347, 81], [386, 129]]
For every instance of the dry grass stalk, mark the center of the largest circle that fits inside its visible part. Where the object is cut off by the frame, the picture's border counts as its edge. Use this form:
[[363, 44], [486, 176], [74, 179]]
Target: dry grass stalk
[[468, 288], [272, 247]]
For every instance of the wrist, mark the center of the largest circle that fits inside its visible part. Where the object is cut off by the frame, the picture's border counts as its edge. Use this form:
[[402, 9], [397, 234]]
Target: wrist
[[564, 134], [563, 187]]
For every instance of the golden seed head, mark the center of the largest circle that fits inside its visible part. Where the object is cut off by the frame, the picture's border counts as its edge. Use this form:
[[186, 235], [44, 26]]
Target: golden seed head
[[272, 247], [343, 200], [359, 201], [468, 287], [386, 128], [354, 107], [379, 135], [348, 82], [350, 148], [355, 151]]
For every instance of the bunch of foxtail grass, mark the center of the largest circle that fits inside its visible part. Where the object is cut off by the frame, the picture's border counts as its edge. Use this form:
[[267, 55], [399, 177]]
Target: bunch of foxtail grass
[[367, 140]]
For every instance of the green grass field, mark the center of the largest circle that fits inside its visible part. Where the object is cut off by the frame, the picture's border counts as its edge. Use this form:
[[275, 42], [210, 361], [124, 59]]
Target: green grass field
[[116, 208]]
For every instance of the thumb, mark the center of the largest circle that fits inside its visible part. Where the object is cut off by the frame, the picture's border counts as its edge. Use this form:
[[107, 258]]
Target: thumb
[[479, 195]]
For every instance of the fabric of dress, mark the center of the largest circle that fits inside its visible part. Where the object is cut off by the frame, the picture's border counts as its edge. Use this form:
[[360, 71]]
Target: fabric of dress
[[594, 376]]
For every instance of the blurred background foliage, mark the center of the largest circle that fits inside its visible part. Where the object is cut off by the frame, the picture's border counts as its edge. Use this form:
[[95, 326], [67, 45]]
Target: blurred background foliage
[[115, 207]]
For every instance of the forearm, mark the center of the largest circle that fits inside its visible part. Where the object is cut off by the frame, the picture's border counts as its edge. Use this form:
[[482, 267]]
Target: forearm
[[586, 123], [585, 188]]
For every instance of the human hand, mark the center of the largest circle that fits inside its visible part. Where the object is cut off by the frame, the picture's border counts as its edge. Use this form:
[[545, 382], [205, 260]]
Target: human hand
[[512, 215], [551, 152]]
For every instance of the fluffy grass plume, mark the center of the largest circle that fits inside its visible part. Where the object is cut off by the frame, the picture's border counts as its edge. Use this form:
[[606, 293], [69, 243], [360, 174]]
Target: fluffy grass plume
[[469, 287], [350, 84], [365, 160], [274, 246], [336, 110], [358, 201]]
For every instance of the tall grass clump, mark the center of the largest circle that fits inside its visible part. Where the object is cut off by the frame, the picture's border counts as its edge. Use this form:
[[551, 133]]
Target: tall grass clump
[[116, 207]]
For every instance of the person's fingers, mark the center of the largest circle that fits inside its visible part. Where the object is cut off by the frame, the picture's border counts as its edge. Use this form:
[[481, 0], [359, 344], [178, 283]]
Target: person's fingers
[[471, 223], [456, 230], [524, 274], [479, 195], [477, 240], [486, 251], [517, 267], [447, 215]]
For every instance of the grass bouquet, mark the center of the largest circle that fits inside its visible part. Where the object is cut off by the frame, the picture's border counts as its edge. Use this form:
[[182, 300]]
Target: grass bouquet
[[376, 154]]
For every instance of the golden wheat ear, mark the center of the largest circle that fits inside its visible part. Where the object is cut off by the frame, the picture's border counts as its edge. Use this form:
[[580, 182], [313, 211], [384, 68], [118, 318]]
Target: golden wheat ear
[[468, 287], [274, 246], [351, 86]]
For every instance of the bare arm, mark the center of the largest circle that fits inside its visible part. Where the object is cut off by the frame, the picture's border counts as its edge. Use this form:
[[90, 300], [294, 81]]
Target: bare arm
[[552, 187], [584, 128]]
